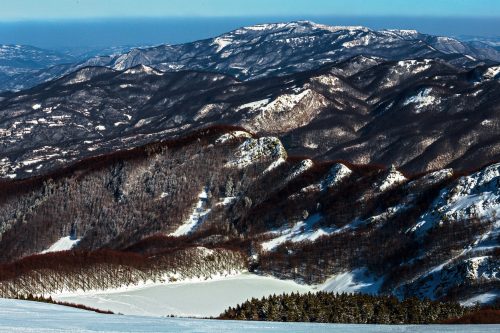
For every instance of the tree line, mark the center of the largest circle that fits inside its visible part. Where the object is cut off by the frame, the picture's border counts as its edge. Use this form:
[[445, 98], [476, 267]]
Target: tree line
[[328, 307]]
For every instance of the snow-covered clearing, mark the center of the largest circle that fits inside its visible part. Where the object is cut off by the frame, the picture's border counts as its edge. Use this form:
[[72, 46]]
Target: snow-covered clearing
[[63, 244], [25, 316], [197, 216], [301, 231]]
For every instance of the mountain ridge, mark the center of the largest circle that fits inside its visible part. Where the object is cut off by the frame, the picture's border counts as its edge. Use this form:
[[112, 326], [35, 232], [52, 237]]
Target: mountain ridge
[[208, 53]]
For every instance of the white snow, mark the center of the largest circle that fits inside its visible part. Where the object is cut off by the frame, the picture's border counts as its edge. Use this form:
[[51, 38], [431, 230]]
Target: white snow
[[196, 299], [392, 178], [362, 41], [253, 105], [33, 317], [143, 69], [232, 135], [274, 165], [337, 173], [197, 216], [432, 178], [333, 28], [481, 299], [492, 72], [301, 231], [302, 167], [254, 150], [100, 128], [358, 280], [476, 195], [36, 106], [422, 99], [286, 101], [222, 42], [63, 244]]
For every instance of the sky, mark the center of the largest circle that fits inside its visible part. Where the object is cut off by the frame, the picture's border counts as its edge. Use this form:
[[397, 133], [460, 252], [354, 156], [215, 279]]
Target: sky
[[60, 24], [12, 10]]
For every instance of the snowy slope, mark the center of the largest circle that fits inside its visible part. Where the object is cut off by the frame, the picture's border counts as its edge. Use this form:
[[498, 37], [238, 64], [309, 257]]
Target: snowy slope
[[24, 316], [259, 51], [63, 244]]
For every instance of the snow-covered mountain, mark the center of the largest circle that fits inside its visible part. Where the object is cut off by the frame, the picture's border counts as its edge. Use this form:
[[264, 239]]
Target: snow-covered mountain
[[364, 110], [277, 49], [354, 159], [236, 202]]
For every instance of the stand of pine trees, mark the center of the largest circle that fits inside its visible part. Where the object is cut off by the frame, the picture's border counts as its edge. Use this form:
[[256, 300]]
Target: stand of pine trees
[[327, 307]]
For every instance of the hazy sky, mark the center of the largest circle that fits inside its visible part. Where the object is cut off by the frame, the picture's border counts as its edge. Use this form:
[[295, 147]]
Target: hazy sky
[[103, 23], [70, 9]]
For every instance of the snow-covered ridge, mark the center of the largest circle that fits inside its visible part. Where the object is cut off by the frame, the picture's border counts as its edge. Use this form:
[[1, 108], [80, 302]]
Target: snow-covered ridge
[[492, 72], [232, 135], [431, 178], [254, 150], [143, 69], [299, 169], [392, 178], [304, 24], [473, 196], [281, 103], [336, 174]]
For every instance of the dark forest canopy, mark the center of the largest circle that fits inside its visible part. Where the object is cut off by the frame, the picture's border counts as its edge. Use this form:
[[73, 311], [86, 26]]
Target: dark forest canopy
[[328, 307]]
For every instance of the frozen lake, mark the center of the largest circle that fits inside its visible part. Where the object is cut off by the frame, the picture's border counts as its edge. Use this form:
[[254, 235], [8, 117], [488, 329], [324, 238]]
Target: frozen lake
[[24, 316], [185, 299], [206, 298]]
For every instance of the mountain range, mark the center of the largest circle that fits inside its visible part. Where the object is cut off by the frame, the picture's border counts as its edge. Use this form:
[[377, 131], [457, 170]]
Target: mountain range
[[295, 150]]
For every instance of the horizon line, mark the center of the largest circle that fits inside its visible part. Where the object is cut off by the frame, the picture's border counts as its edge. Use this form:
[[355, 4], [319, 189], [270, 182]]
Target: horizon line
[[293, 17]]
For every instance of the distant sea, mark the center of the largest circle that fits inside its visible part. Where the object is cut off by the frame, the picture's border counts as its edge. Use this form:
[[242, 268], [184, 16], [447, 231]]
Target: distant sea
[[151, 31]]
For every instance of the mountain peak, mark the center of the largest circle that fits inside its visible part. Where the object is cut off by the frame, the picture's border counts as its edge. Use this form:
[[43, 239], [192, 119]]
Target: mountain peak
[[301, 24]]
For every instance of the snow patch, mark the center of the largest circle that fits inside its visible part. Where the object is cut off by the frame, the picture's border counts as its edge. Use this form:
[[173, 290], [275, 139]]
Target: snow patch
[[254, 150], [63, 244], [392, 178], [232, 135], [485, 298], [355, 281], [301, 231], [253, 105], [492, 72], [143, 69], [337, 173], [222, 42], [197, 216], [422, 99], [303, 166]]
